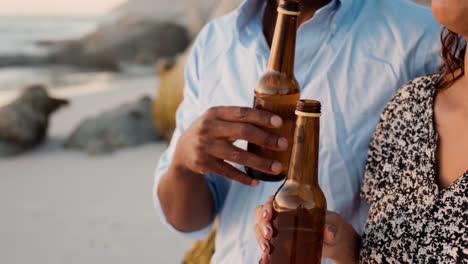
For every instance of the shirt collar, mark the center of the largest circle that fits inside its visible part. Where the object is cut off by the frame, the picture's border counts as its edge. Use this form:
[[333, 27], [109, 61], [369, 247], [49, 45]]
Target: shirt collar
[[251, 8]]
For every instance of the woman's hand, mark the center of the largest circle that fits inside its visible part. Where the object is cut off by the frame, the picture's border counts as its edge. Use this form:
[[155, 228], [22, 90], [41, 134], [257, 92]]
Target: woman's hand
[[340, 241]]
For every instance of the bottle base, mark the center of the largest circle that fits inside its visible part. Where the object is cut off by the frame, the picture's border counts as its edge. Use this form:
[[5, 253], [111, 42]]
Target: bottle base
[[258, 175]]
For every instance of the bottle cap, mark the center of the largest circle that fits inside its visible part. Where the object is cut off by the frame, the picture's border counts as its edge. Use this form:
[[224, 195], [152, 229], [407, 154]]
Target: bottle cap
[[293, 6], [308, 108], [289, 8]]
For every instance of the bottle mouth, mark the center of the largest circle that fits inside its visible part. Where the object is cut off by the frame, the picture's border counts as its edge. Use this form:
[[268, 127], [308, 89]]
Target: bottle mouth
[[309, 106], [291, 6]]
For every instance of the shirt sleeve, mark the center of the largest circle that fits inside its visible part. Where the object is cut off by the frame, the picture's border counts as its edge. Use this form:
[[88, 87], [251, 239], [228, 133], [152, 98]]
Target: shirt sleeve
[[374, 165], [427, 58], [188, 111], [382, 165], [382, 149]]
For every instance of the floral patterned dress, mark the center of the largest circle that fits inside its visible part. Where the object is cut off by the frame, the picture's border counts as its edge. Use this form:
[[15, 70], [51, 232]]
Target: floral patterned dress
[[412, 220]]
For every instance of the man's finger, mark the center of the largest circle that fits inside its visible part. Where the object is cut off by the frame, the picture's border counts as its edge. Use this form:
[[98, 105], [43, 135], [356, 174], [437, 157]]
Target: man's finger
[[247, 115], [224, 150], [224, 169], [248, 132]]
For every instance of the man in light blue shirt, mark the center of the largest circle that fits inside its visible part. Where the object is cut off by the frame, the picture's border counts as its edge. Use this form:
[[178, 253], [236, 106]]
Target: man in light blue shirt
[[352, 55]]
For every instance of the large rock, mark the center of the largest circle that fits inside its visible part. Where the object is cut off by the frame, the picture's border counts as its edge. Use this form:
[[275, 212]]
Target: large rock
[[24, 122], [21, 60], [423, 2], [127, 40], [126, 126], [192, 14], [138, 31]]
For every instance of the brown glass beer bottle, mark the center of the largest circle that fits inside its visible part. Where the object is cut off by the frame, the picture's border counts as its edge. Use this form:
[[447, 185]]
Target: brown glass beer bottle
[[299, 205], [278, 90]]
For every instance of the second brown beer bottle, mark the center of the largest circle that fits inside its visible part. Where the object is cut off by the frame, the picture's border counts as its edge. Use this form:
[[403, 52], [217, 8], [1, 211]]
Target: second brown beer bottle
[[299, 205], [278, 90]]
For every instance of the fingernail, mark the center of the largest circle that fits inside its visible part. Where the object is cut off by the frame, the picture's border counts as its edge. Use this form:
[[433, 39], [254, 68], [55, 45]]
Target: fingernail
[[254, 183], [266, 231], [276, 167], [282, 143], [264, 247], [265, 213], [331, 232], [276, 121]]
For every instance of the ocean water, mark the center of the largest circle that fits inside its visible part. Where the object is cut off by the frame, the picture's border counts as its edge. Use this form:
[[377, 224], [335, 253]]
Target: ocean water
[[19, 34]]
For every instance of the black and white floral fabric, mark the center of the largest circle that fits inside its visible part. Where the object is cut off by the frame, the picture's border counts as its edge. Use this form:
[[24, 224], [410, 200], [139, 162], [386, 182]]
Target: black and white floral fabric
[[412, 220]]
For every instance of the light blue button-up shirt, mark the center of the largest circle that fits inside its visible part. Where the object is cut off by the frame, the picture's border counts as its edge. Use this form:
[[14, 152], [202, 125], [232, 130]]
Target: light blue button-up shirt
[[352, 56]]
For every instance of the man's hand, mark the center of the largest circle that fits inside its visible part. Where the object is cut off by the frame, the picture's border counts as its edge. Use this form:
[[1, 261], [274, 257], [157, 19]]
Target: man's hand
[[341, 242], [205, 146], [208, 143]]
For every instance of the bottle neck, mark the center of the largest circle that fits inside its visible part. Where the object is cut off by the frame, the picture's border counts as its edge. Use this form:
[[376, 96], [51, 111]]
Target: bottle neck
[[284, 44], [303, 166]]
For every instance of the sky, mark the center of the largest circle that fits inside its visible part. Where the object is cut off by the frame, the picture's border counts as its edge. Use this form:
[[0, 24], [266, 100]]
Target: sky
[[57, 7]]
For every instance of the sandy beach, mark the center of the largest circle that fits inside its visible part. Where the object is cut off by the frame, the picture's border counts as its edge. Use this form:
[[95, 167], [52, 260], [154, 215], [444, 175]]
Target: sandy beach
[[61, 206]]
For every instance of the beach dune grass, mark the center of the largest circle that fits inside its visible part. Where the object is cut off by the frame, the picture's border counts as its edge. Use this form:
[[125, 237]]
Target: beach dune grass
[[169, 96]]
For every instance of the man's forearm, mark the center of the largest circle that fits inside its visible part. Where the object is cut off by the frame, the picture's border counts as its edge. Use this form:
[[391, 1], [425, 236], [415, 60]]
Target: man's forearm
[[186, 199]]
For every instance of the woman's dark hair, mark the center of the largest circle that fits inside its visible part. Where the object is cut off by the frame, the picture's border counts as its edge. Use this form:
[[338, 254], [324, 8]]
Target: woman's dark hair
[[453, 55]]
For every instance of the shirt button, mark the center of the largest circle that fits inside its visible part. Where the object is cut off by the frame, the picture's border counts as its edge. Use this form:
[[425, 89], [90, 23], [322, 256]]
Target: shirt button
[[333, 27]]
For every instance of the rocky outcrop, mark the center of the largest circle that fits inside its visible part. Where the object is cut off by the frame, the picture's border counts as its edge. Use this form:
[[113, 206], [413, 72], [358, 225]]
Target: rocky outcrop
[[125, 126], [24, 122], [423, 2], [73, 54], [21, 60], [127, 40], [138, 31], [188, 13]]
